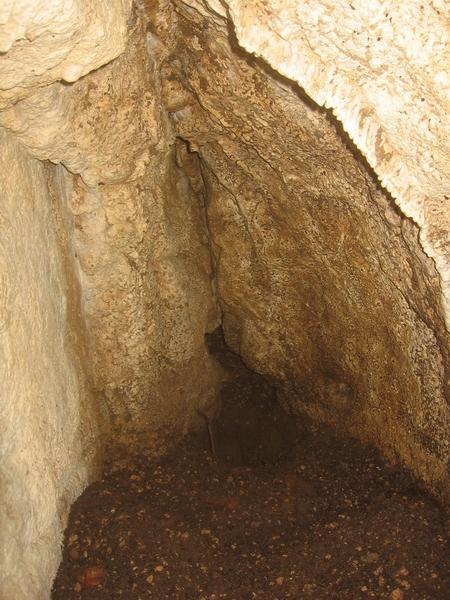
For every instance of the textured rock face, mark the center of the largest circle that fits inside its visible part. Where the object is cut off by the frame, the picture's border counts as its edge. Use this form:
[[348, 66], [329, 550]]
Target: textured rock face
[[322, 284], [190, 182], [134, 235], [50, 434], [139, 236], [60, 39], [382, 67]]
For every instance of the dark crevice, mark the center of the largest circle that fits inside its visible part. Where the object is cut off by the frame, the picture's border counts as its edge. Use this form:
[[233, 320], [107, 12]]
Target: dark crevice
[[252, 428]]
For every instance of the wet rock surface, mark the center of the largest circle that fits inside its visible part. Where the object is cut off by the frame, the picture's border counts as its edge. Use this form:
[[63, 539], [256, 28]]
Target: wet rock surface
[[281, 511]]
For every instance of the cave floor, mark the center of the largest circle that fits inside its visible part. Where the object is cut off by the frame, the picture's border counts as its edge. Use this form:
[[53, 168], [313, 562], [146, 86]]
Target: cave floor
[[279, 511]]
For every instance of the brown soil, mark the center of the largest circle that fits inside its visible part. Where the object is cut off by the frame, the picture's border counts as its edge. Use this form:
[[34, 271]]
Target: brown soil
[[280, 511]]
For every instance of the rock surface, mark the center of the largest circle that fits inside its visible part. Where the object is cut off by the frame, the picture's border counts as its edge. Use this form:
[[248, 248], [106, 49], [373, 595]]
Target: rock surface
[[135, 237], [50, 440], [42, 42], [382, 67], [323, 285]]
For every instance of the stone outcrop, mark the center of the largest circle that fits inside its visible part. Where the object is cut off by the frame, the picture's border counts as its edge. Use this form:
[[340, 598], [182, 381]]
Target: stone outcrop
[[156, 180], [59, 40], [134, 258]]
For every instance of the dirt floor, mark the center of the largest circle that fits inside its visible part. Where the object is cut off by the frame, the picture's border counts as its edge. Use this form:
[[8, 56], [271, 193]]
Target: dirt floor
[[278, 511]]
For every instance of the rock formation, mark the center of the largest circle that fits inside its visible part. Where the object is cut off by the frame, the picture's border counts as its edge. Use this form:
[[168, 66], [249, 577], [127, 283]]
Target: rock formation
[[162, 172]]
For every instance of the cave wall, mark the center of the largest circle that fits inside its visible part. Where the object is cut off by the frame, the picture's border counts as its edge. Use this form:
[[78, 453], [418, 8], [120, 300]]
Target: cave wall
[[382, 67], [167, 179], [50, 437], [132, 237], [323, 284], [139, 237]]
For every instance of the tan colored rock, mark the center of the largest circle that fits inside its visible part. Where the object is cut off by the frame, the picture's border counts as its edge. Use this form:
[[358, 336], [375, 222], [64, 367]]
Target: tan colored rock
[[98, 127], [135, 242], [61, 39], [383, 68], [50, 437], [322, 283], [140, 240]]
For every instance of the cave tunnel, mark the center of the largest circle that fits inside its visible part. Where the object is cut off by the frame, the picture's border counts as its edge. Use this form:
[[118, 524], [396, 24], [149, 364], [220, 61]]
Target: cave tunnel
[[224, 319]]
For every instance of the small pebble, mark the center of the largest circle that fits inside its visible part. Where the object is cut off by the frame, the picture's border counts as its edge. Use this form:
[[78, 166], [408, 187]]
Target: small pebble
[[93, 576], [74, 554], [370, 557]]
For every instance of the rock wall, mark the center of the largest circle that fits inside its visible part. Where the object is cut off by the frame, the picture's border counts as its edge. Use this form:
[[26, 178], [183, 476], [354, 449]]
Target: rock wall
[[382, 67], [134, 251], [50, 439], [50, 41], [140, 240], [323, 284]]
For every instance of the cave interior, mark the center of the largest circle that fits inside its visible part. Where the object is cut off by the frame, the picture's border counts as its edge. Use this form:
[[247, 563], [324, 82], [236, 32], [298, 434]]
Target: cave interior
[[195, 252]]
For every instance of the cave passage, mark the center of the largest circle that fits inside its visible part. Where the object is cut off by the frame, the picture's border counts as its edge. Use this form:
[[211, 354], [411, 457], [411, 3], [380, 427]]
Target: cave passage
[[280, 510], [270, 495], [157, 183], [251, 429]]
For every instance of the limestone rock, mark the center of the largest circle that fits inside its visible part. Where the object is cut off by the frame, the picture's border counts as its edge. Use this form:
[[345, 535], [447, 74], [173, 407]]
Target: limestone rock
[[48, 41], [322, 283], [134, 257], [187, 180], [139, 236], [50, 439], [383, 68]]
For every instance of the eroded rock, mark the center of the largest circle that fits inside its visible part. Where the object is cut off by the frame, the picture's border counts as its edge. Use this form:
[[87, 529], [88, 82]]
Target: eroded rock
[[323, 284]]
